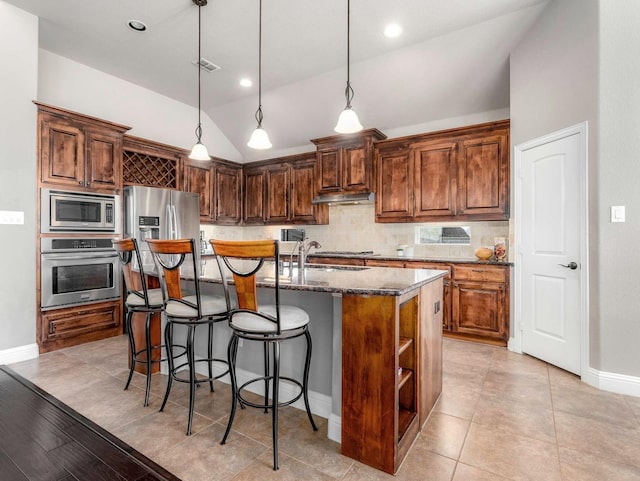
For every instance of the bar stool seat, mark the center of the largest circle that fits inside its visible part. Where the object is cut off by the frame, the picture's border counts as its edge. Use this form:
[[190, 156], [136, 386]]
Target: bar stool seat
[[292, 317], [154, 295]]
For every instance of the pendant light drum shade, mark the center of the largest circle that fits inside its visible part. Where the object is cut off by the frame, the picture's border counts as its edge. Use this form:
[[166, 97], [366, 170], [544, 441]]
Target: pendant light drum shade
[[348, 121], [199, 151]]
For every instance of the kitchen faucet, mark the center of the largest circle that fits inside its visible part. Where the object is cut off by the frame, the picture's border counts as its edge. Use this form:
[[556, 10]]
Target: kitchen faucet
[[303, 252]]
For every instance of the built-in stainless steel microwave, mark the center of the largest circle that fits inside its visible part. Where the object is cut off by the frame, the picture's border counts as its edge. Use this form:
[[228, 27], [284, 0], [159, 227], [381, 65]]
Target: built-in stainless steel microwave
[[66, 211]]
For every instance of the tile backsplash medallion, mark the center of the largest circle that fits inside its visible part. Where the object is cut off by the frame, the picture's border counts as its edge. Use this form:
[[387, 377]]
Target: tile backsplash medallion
[[353, 228]]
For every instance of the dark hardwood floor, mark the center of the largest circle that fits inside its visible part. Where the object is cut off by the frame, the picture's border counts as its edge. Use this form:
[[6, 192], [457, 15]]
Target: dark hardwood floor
[[42, 439]]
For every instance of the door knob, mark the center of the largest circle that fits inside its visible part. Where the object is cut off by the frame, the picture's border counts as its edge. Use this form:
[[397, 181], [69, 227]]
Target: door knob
[[572, 265]]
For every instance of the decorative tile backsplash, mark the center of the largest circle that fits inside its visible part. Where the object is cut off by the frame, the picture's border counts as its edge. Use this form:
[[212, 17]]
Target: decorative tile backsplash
[[352, 228]]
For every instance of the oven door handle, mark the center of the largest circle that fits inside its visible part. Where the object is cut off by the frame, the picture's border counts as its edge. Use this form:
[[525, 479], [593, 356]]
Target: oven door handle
[[57, 257]]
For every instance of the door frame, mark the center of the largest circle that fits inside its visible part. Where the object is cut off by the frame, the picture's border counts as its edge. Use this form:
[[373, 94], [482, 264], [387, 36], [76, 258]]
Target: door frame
[[515, 342]]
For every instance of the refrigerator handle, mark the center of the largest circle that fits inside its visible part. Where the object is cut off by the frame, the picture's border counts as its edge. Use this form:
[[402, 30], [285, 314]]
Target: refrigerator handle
[[174, 217], [169, 219]]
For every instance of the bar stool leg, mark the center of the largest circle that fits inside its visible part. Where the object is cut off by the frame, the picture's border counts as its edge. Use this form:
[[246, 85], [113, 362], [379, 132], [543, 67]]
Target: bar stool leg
[[232, 351], [132, 348], [210, 354], [148, 352], [274, 408], [192, 374], [305, 381], [168, 340], [265, 346]]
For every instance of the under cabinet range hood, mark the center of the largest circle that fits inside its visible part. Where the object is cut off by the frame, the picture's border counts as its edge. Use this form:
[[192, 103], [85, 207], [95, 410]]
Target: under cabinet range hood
[[342, 199]]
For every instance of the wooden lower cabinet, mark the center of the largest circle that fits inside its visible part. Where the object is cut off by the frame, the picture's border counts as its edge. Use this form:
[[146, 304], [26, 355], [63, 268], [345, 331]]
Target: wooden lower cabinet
[[61, 328], [391, 382], [480, 302]]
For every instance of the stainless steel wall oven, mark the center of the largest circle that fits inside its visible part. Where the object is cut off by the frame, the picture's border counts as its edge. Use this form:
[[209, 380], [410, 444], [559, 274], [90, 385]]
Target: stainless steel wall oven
[[77, 271]]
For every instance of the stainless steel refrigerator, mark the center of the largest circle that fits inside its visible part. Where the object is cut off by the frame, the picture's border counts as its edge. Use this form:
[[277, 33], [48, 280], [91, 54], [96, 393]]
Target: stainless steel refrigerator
[[153, 213]]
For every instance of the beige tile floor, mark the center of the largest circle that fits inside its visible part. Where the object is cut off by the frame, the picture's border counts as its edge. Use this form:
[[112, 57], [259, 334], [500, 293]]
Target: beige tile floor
[[501, 416]]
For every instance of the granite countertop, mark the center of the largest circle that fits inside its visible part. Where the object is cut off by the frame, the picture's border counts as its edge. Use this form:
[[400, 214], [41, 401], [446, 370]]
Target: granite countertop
[[339, 279], [444, 260]]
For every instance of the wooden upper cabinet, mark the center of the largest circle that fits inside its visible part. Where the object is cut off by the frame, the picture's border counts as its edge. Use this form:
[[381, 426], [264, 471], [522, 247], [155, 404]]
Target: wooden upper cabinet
[[228, 194], [329, 173], [79, 151], [219, 186], [483, 177], [303, 188], [62, 155], [345, 162], [198, 178], [394, 198], [434, 186], [254, 190], [277, 193], [453, 175], [280, 191]]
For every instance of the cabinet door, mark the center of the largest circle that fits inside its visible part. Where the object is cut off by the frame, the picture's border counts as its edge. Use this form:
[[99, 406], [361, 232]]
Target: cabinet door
[[356, 169], [62, 152], [254, 190], [228, 195], [303, 186], [479, 309], [198, 179], [434, 186], [394, 198], [277, 186], [104, 160], [329, 173], [483, 178]]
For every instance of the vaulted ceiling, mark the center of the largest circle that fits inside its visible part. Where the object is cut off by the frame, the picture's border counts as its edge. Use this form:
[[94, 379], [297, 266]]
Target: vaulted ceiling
[[452, 58]]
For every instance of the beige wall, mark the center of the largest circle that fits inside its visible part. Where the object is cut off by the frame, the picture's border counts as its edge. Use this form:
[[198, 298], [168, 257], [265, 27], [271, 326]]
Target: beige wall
[[19, 58], [581, 61]]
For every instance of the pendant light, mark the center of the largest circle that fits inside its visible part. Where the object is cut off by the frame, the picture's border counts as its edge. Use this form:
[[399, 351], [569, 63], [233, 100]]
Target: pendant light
[[199, 151], [348, 122], [259, 139]]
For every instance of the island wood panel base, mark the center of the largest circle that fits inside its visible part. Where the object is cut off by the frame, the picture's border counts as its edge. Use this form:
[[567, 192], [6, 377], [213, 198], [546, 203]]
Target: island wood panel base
[[391, 372], [138, 323]]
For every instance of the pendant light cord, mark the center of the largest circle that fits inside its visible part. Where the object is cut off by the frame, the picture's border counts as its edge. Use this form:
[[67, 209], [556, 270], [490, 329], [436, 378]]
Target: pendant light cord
[[348, 92], [259, 111], [199, 127]]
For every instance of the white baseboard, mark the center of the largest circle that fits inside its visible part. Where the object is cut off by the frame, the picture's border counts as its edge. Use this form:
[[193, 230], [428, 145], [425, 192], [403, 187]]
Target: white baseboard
[[612, 382], [19, 354], [334, 429]]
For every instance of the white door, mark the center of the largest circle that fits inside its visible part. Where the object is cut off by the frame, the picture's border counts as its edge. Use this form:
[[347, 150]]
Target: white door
[[552, 239]]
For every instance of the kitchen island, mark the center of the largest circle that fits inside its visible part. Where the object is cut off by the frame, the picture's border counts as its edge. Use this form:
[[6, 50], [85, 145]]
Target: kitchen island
[[377, 331]]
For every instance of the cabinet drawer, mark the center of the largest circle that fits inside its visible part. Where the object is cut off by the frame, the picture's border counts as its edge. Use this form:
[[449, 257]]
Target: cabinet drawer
[[431, 265], [78, 321], [480, 273]]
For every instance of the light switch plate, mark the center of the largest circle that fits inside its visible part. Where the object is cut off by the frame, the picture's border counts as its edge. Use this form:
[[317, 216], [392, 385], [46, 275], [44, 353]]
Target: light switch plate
[[11, 217], [617, 213]]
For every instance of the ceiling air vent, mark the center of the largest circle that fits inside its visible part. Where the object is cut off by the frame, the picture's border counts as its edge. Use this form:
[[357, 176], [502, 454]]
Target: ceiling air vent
[[206, 65]]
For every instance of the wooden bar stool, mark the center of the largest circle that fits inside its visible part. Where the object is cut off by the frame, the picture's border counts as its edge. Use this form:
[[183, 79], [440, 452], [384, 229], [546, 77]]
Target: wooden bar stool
[[268, 324], [139, 298], [189, 308]]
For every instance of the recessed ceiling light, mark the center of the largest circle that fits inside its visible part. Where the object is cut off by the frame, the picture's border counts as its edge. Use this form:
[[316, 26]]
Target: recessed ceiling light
[[392, 30], [245, 82], [137, 25]]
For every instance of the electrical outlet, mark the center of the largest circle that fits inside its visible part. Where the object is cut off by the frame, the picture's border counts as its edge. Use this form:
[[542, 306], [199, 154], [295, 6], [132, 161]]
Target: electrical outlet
[[11, 217]]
